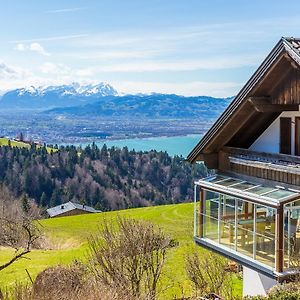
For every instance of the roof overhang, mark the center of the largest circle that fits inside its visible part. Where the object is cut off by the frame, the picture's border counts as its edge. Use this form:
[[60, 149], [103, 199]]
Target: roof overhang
[[247, 105]]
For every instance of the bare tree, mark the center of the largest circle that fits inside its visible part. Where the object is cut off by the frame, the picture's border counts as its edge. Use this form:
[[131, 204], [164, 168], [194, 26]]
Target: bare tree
[[18, 229], [130, 256], [209, 274]]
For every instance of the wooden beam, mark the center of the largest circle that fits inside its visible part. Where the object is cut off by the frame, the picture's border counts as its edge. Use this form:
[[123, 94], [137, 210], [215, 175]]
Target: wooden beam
[[279, 239], [211, 160], [264, 105], [201, 212]]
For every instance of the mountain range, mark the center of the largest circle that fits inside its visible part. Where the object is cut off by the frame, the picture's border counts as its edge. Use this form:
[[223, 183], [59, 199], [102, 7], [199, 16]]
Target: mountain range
[[43, 98], [103, 100]]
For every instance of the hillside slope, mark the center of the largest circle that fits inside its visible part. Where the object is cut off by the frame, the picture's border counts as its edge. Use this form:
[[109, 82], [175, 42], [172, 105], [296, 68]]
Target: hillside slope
[[106, 178], [68, 235]]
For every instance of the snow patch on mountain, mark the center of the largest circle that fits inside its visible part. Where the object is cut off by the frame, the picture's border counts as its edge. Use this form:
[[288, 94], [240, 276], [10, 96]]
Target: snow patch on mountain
[[74, 89]]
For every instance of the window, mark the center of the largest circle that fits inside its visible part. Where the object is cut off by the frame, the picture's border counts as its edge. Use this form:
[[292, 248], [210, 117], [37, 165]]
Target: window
[[285, 135], [292, 235], [240, 225]]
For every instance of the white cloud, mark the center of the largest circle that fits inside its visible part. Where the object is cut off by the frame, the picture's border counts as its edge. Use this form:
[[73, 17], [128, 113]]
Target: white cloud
[[52, 74], [51, 38], [196, 88], [65, 10], [209, 63], [50, 68], [10, 72], [20, 47], [87, 72], [35, 47]]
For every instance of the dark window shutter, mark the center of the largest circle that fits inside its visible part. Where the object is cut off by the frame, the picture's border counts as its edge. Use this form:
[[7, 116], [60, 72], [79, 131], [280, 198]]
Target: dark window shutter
[[285, 135], [297, 136]]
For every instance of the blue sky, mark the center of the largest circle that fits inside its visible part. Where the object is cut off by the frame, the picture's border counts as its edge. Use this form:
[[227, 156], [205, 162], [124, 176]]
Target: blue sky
[[191, 47]]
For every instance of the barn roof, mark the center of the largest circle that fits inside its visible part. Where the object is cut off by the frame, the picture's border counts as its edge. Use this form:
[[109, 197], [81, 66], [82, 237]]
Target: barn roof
[[69, 206], [241, 116]]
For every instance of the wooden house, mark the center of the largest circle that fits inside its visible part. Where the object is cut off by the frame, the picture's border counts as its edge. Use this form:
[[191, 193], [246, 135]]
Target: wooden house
[[249, 211], [70, 209]]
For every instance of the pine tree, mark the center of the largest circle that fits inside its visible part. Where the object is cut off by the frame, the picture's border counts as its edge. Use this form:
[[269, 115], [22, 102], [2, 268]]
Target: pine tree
[[25, 204]]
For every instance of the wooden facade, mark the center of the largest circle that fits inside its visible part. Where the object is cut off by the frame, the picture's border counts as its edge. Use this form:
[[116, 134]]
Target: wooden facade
[[262, 166]]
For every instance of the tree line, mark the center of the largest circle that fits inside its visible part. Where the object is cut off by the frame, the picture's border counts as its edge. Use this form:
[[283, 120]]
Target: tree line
[[105, 178]]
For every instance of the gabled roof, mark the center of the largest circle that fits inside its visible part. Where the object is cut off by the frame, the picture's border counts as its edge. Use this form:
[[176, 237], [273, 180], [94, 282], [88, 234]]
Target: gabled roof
[[287, 49], [69, 206]]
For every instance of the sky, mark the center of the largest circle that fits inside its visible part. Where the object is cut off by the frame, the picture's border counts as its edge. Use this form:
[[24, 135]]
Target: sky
[[191, 47]]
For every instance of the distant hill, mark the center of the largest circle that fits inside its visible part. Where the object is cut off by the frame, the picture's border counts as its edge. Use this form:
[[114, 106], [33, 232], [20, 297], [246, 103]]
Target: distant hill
[[152, 106], [42, 98], [102, 100]]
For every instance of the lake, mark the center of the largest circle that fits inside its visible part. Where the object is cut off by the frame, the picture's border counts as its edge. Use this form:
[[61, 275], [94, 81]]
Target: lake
[[178, 145]]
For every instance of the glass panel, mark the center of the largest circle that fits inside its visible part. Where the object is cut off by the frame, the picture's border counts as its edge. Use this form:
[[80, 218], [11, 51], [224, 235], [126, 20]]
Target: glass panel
[[292, 235], [211, 215], [227, 221], [245, 228], [244, 186], [280, 194], [261, 190], [229, 182], [217, 178], [265, 235]]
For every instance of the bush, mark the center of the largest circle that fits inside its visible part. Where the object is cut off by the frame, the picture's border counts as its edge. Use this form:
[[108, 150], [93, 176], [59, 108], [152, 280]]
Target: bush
[[62, 283], [209, 274], [130, 257]]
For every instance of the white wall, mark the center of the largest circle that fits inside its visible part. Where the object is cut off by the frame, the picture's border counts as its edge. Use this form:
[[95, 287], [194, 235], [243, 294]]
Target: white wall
[[269, 140], [255, 284]]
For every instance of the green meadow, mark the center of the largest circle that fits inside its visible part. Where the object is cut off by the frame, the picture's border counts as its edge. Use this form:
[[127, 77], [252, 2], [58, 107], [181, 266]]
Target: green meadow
[[67, 238], [19, 144]]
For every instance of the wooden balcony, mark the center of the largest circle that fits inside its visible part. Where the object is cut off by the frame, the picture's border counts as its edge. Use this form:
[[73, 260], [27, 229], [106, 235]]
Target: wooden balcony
[[275, 167]]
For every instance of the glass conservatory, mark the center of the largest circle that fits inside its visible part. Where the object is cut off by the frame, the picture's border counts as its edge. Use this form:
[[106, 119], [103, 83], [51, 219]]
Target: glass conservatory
[[253, 224]]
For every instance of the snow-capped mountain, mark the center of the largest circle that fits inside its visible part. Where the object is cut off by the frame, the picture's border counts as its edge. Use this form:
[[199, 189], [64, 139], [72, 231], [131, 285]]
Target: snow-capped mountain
[[101, 89], [45, 97]]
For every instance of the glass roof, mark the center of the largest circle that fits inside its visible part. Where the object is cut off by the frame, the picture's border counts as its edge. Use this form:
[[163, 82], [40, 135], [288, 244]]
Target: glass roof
[[253, 191]]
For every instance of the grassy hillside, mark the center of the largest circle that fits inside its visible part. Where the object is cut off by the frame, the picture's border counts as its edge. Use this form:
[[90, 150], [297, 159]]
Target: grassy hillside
[[5, 142], [68, 237]]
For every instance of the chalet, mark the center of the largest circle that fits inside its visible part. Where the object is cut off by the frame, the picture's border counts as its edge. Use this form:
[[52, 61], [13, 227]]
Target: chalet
[[70, 209], [249, 210]]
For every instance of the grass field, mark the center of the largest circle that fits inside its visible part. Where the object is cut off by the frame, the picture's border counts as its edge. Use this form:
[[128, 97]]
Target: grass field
[[5, 142], [68, 236]]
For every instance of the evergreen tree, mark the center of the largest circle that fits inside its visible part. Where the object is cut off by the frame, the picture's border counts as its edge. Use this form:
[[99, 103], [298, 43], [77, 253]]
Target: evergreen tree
[[25, 204]]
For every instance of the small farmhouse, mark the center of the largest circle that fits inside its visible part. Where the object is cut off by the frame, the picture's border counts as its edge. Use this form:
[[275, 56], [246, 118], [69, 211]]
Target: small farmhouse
[[70, 209], [249, 210]]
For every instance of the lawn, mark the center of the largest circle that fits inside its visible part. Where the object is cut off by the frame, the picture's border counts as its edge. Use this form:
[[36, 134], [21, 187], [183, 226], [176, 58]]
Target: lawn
[[68, 235]]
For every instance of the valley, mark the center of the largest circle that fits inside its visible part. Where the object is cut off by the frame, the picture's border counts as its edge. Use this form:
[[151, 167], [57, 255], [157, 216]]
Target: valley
[[51, 129], [76, 114]]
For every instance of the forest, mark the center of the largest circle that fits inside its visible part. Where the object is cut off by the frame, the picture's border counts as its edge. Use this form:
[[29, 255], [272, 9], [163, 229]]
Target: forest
[[106, 178]]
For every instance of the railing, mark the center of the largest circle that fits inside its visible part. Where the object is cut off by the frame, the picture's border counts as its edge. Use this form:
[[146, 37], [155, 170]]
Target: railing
[[275, 167]]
